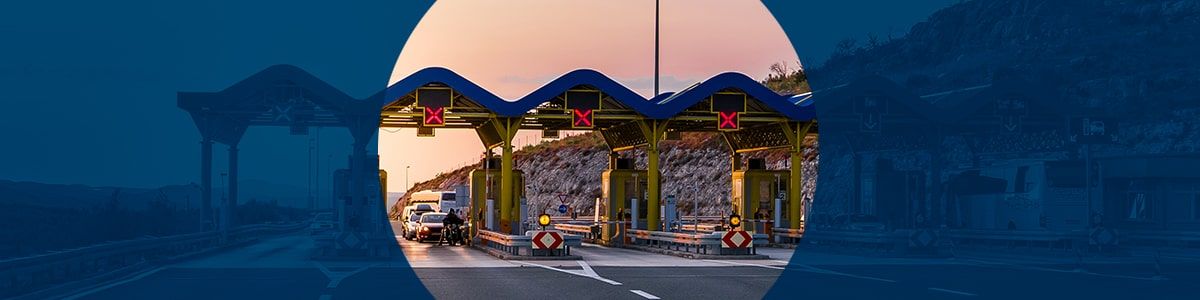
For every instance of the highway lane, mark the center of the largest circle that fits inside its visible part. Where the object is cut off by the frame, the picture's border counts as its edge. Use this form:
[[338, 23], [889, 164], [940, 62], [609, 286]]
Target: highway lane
[[280, 269]]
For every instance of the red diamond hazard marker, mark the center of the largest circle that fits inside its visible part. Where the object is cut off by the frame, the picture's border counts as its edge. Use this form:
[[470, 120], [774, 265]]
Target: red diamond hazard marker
[[543, 240], [737, 239]]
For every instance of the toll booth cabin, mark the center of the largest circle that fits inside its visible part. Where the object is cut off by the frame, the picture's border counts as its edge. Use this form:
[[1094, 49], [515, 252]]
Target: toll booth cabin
[[484, 186], [621, 183], [755, 190]]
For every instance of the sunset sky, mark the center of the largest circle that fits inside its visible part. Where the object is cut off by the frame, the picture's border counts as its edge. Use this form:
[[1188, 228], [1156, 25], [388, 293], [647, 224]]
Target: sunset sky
[[514, 47]]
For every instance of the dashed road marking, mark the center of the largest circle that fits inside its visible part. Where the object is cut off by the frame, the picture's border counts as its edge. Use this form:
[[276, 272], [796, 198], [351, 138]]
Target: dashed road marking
[[644, 294], [953, 292]]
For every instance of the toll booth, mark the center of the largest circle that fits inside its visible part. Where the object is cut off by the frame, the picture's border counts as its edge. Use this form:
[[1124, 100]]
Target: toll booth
[[755, 190], [484, 185], [620, 184]]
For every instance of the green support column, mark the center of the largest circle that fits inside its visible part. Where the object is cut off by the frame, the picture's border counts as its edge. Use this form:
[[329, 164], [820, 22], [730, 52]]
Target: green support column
[[735, 164], [796, 133], [795, 185], [508, 130], [654, 131]]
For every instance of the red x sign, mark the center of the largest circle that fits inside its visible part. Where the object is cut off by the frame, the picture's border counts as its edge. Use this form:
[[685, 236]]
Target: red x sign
[[727, 120], [582, 118], [434, 116]]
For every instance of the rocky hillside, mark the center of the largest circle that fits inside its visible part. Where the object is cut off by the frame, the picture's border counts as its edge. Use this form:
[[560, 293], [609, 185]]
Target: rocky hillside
[[695, 168], [1131, 58], [1102, 53]]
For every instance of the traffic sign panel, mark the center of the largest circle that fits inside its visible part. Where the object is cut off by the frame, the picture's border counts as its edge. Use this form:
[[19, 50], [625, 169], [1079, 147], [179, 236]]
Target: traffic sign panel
[[543, 240], [727, 120], [737, 239], [434, 116], [562, 208]]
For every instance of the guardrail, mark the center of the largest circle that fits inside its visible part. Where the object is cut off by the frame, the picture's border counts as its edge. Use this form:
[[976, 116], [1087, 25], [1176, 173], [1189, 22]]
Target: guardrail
[[791, 235], [25, 275], [1066, 240], [522, 245], [696, 243], [1160, 238], [867, 240], [584, 231]]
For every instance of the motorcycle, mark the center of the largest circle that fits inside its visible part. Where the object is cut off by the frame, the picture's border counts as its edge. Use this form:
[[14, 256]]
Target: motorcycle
[[452, 234]]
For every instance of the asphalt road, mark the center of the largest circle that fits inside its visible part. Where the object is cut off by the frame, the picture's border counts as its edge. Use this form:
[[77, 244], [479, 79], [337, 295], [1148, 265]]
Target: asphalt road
[[280, 269]]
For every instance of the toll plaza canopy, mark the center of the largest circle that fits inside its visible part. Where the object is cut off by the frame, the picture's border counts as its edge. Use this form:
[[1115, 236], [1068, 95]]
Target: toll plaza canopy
[[750, 116], [613, 108]]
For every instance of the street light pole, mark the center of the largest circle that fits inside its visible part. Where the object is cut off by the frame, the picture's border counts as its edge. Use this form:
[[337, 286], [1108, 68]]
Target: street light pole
[[406, 177], [656, 89]]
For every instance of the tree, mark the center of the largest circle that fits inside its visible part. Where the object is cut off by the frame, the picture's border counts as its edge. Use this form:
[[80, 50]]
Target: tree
[[786, 79]]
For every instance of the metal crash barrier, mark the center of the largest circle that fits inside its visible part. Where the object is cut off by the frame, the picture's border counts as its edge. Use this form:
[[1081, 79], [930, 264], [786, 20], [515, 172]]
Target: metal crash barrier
[[588, 233], [703, 243], [788, 235], [96, 263], [533, 243]]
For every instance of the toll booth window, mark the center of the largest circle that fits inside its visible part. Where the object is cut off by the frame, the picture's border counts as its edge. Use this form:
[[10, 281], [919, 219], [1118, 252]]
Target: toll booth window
[[447, 196], [1139, 206], [1019, 183]]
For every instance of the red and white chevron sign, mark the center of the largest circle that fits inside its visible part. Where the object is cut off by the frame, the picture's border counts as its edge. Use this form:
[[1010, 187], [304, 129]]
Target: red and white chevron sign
[[737, 239], [543, 240]]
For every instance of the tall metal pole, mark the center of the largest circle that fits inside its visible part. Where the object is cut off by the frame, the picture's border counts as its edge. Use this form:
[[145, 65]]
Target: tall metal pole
[[656, 90]]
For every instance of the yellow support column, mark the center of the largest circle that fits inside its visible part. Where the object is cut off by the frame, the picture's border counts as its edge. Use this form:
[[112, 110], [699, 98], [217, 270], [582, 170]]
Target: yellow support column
[[508, 129], [796, 133], [654, 131]]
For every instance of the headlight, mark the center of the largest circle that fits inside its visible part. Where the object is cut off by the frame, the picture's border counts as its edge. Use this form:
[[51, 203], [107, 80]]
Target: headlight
[[424, 229]]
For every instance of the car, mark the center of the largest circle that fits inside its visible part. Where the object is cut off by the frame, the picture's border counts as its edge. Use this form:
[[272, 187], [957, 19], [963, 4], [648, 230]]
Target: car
[[418, 208], [322, 223], [430, 226], [411, 226]]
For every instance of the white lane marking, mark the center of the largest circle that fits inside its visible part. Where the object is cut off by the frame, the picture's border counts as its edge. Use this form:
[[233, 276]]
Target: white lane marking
[[744, 264], [644, 294], [832, 272], [582, 273], [336, 278], [324, 270], [952, 292], [806, 268], [588, 269], [110, 285], [1016, 266]]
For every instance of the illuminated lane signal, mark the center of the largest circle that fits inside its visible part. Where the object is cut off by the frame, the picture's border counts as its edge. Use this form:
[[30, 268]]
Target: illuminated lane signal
[[727, 120], [582, 105], [728, 105], [582, 118], [434, 116]]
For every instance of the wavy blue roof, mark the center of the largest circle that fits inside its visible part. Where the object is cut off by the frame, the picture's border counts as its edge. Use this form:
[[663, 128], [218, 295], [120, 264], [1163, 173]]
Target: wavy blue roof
[[663, 106]]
